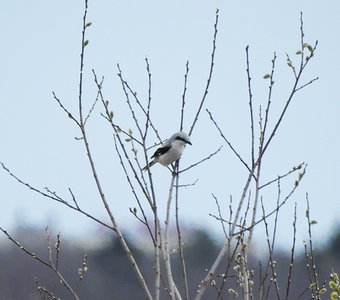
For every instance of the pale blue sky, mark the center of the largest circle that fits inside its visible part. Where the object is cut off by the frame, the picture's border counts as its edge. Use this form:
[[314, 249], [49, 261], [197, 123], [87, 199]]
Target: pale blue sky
[[39, 53]]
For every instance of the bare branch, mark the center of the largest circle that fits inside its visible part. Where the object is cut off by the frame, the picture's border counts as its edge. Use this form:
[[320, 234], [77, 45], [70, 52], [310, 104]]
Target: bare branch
[[149, 99], [212, 62], [250, 109], [184, 94], [292, 256], [65, 109], [44, 262], [53, 196], [179, 236], [126, 87], [202, 160], [94, 104], [220, 216], [228, 143], [279, 177]]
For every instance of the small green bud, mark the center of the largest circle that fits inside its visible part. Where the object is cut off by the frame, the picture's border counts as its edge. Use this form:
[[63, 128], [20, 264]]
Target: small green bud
[[86, 43], [322, 291], [232, 292], [111, 115], [334, 296], [335, 276], [266, 76], [312, 286], [310, 48], [88, 24], [244, 245], [313, 222], [107, 103], [332, 285], [134, 210], [130, 131], [128, 140], [298, 52]]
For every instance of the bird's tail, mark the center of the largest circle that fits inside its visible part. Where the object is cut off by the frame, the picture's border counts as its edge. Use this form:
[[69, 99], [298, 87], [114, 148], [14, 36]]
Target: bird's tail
[[148, 166]]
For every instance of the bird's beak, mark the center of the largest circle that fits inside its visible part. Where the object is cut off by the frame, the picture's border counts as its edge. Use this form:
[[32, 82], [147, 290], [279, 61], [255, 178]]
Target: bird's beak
[[189, 143]]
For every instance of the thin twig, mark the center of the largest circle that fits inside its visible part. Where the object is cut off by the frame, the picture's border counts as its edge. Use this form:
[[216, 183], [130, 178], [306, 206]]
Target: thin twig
[[228, 143], [292, 256], [126, 88], [179, 236], [279, 177], [166, 239], [284, 201], [53, 196], [65, 109], [44, 262], [212, 62], [311, 265], [250, 95], [303, 63], [220, 216], [94, 170], [149, 99], [184, 94], [201, 161], [271, 262], [94, 104]]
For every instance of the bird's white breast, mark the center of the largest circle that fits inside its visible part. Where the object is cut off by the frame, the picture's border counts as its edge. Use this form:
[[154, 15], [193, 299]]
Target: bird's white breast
[[173, 154]]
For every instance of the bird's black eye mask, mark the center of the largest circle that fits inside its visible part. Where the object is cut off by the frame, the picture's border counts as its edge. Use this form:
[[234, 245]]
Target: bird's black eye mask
[[181, 139]]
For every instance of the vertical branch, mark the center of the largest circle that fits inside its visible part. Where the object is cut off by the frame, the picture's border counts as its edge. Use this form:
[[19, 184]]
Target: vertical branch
[[158, 240], [262, 150], [93, 168], [126, 87], [303, 63], [204, 283], [271, 262], [212, 62], [179, 235], [157, 234], [314, 285], [292, 256], [127, 96], [115, 225], [263, 128], [84, 43], [166, 247], [250, 109], [269, 100], [184, 94], [149, 100]]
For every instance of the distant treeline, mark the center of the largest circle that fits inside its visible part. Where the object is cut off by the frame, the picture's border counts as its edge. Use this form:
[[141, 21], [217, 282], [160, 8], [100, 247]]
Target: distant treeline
[[109, 275]]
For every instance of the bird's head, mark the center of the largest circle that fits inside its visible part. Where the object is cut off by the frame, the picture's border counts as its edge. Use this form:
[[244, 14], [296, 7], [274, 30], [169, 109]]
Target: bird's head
[[182, 137]]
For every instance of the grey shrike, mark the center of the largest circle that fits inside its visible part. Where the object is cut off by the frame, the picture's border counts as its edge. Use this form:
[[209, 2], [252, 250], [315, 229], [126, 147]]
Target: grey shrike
[[170, 151]]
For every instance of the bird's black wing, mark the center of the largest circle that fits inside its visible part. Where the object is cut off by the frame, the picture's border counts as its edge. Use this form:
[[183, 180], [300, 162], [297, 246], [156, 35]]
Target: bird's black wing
[[161, 151]]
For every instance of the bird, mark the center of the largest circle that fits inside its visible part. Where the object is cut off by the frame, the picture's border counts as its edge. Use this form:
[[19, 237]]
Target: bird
[[170, 151]]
